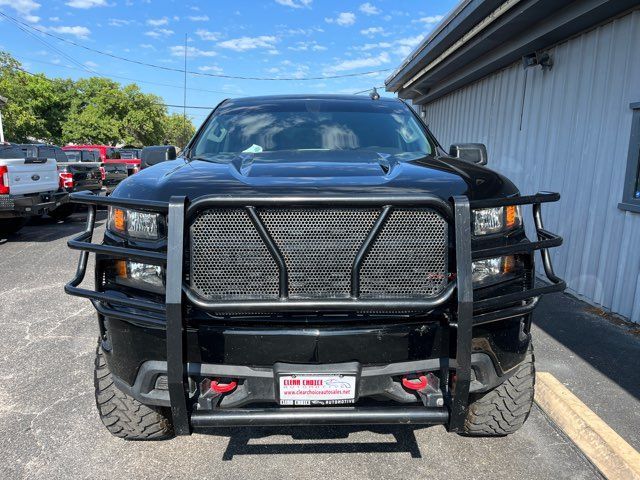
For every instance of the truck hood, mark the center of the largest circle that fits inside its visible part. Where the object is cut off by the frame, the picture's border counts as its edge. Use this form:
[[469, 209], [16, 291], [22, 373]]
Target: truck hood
[[316, 173]]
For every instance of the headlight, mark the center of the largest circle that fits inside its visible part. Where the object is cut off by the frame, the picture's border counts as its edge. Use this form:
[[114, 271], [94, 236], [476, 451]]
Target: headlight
[[495, 270], [139, 275], [495, 220], [135, 224]]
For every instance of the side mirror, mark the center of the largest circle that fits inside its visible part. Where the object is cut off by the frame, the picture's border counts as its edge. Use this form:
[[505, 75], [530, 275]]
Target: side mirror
[[157, 154], [469, 152]]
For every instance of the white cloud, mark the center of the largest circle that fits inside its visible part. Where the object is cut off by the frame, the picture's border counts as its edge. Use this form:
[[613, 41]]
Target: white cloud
[[23, 7], [371, 46], [249, 43], [76, 31], [147, 45], [54, 19], [372, 31], [91, 64], [158, 22], [303, 31], [87, 3], [207, 35], [406, 45], [372, 61], [178, 51], [119, 22], [295, 3], [430, 20], [369, 9], [344, 19], [199, 18], [400, 46], [211, 69], [305, 46], [159, 32]]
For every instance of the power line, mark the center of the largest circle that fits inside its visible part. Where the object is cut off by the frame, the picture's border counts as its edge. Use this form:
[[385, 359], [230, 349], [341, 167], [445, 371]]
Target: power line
[[366, 91], [127, 78], [52, 47], [204, 74], [193, 107]]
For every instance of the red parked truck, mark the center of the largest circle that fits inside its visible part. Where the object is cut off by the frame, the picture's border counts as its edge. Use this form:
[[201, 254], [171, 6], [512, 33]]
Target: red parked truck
[[109, 154]]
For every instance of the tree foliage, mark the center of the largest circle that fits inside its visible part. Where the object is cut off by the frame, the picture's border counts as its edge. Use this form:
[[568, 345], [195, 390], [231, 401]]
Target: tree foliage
[[177, 131], [89, 110]]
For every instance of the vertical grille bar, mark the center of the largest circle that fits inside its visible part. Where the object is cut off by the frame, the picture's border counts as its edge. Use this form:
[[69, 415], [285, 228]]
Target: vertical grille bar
[[364, 249], [273, 249]]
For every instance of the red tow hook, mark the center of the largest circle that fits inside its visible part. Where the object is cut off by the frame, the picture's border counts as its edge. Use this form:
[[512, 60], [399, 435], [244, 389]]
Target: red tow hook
[[216, 386], [419, 383]]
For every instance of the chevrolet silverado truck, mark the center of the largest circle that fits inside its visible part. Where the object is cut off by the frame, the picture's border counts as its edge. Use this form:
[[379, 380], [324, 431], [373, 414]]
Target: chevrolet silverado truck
[[28, 187], [315, 260]]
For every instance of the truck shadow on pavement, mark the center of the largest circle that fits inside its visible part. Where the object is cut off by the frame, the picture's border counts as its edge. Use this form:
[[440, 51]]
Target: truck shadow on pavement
[[600, 339], [239, 440]]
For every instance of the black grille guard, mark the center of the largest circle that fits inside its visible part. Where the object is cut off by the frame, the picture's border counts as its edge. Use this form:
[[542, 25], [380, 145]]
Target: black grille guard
[[180, 213]]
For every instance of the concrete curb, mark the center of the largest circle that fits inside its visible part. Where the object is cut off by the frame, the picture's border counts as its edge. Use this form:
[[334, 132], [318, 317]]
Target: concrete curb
[[607, 450]]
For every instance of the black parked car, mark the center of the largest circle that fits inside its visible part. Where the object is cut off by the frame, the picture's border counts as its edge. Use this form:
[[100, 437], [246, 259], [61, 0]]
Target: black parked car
[[315, 260]]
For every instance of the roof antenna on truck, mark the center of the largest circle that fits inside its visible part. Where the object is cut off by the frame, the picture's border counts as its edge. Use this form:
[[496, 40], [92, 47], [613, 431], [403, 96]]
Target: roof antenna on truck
[[374, 95]]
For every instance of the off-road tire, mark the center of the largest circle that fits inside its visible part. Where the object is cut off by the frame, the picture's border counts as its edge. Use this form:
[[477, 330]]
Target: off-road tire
[[504, 409], [123, 415], [63, 212], [9, 226]]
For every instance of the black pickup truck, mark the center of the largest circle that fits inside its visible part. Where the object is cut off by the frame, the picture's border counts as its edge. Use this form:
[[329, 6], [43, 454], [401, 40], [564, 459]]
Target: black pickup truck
[[74, 176], [315, 260], [112, 173]]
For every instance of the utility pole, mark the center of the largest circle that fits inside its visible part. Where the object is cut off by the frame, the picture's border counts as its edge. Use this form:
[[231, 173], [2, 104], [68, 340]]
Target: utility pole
[[184, 97], [3, 102]]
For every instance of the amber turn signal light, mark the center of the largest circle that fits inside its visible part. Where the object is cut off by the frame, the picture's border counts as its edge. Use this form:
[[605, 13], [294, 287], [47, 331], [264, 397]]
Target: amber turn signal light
[[512, 215], [118, 219], [121, 268]]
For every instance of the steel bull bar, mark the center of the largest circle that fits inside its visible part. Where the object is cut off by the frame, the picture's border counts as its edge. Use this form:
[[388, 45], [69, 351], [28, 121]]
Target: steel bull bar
[[180, 213]]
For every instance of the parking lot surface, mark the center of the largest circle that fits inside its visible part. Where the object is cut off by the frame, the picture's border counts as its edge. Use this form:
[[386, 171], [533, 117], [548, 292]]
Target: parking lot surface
[[49, 426]]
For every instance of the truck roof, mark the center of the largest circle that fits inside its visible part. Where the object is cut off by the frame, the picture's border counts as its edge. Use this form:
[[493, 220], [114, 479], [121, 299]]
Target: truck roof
[[312, 96]]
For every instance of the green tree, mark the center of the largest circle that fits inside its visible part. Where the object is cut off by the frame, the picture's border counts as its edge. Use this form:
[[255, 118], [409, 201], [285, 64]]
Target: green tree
[[96, 112], [177, 131], [144, 122], [36, 104], [90, 110]]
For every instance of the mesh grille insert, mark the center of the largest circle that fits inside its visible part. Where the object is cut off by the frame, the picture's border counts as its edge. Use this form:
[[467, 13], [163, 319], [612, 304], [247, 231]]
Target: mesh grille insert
[[409, 257], [319, 247], [229, 260]]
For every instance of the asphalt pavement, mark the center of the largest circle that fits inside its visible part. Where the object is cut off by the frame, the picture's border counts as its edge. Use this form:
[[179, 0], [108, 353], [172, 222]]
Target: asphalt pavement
[[49, 426]]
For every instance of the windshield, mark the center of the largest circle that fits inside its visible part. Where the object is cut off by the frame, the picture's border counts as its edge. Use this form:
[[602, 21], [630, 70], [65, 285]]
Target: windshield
[[313, 125]]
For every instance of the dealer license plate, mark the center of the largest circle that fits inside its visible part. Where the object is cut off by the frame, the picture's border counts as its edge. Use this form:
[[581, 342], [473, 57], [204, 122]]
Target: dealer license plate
[[320, 389]]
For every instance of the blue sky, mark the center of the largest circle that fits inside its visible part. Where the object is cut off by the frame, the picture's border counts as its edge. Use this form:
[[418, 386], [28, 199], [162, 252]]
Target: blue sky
[[268, 38]]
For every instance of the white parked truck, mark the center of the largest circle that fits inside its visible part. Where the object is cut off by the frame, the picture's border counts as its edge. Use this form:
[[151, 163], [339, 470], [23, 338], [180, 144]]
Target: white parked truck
[[28, 186]]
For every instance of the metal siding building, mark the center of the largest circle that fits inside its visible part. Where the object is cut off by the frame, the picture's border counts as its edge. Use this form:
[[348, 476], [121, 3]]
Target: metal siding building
[[565, 129]]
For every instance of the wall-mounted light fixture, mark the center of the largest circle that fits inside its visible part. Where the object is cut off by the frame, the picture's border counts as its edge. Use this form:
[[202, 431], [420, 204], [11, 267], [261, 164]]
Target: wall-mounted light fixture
[[543, 59]]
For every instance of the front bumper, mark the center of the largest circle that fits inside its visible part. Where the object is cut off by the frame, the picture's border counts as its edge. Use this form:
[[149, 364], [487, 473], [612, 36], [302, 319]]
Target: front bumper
[[29, 205], [465, 322]]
